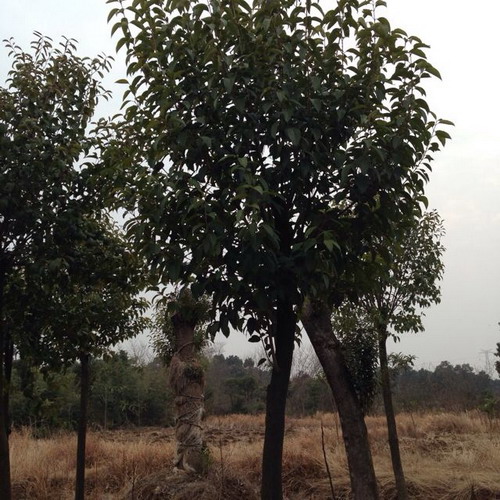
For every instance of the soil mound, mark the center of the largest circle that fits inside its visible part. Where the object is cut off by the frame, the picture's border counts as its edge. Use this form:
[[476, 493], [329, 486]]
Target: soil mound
[[168, 485]]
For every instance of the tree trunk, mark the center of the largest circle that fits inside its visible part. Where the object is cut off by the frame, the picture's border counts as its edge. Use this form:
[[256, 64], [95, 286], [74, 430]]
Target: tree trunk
[[82, 426], [106, 408], [392, 431], [5, 487], [316, 321], [8, 361], [271, 488], [187, 381]]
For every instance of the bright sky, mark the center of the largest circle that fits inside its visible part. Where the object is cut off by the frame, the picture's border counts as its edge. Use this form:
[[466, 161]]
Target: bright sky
[[465, 182]]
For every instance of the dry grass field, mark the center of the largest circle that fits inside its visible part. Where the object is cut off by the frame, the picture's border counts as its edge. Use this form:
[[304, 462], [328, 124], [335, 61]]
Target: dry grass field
[[446, 456]]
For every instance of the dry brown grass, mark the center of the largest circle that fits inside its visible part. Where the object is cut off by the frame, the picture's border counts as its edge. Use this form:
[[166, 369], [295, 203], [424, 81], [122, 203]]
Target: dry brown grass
[[446, 456]]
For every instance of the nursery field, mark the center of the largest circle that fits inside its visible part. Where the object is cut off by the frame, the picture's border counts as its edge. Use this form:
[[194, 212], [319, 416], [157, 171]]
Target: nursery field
[[445, 455]]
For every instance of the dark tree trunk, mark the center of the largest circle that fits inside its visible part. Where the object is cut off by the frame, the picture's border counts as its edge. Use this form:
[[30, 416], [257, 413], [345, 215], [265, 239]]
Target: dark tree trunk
[[392, 431], [82, 426], [187, 380], [5, 487], [106, 408], [277, 390], [8, 361], [316, 321]]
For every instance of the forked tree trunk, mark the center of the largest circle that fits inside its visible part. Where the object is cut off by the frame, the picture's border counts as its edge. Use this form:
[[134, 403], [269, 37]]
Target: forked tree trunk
[[82, 426], [392, 431], [317, 323], [187, 380], [271, 488], [5, 487]]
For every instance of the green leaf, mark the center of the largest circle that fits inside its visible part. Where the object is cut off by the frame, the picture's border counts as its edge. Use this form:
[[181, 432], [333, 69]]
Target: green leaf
[[293, 134], [442, 136], [239, 103], [317, 104], [229, 83], [274, 129], [281, 95], [207, 141], [121, 43], [112, 13], [331, 244]]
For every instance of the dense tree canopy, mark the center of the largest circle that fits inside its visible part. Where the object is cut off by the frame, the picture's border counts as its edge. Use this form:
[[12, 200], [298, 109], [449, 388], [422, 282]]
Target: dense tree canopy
[[251, 131]]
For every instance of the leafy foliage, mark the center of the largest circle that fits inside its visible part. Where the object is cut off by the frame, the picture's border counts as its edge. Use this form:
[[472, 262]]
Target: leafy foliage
[[403, 274], [72, 282], [44, 112], [123, 394], [359, 347], [407, 281], [261, 140], [447, 387], [192, 310]]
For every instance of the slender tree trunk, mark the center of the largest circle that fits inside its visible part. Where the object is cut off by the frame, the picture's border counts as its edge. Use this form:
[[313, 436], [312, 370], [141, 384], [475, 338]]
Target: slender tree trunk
[[271, 488], [106, 408], [5, 486], [392, 431], [82, 426], [316, 321], [187, 380], [8, 361]]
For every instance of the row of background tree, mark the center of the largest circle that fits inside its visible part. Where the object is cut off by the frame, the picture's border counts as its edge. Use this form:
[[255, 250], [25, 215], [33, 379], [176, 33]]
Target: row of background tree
[[128, 392]]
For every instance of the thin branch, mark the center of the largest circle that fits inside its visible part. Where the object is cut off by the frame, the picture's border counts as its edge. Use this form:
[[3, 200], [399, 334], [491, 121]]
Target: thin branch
[[326, 461]]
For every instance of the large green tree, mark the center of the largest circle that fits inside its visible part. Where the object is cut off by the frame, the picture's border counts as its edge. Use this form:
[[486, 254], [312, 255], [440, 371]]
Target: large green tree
[[405, 275], [45, 109], [260, 141]]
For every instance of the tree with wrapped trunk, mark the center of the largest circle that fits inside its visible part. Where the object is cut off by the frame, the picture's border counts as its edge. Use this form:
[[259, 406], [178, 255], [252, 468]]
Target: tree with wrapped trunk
[[259, 143], [178, 337], [45, 109]]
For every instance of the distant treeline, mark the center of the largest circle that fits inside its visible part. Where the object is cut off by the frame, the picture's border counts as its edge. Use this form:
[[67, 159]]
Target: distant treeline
[[128, 393]]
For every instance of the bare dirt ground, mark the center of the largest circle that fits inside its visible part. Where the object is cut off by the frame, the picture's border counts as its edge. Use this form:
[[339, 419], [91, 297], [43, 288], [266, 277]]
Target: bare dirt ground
[[446, 457]]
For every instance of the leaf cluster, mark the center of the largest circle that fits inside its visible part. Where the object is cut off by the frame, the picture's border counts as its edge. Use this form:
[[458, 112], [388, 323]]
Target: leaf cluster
[[262, 143], [71, 282], [45, 108], [192, 311], [398, 278], [83, 299]]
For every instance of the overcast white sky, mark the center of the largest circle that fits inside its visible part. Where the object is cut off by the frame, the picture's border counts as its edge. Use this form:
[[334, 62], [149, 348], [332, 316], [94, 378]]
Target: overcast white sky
[[465, 182]]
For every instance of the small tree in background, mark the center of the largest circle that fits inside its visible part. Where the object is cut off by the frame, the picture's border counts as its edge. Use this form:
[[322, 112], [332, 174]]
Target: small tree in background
[[70, 316], [405, 277]]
